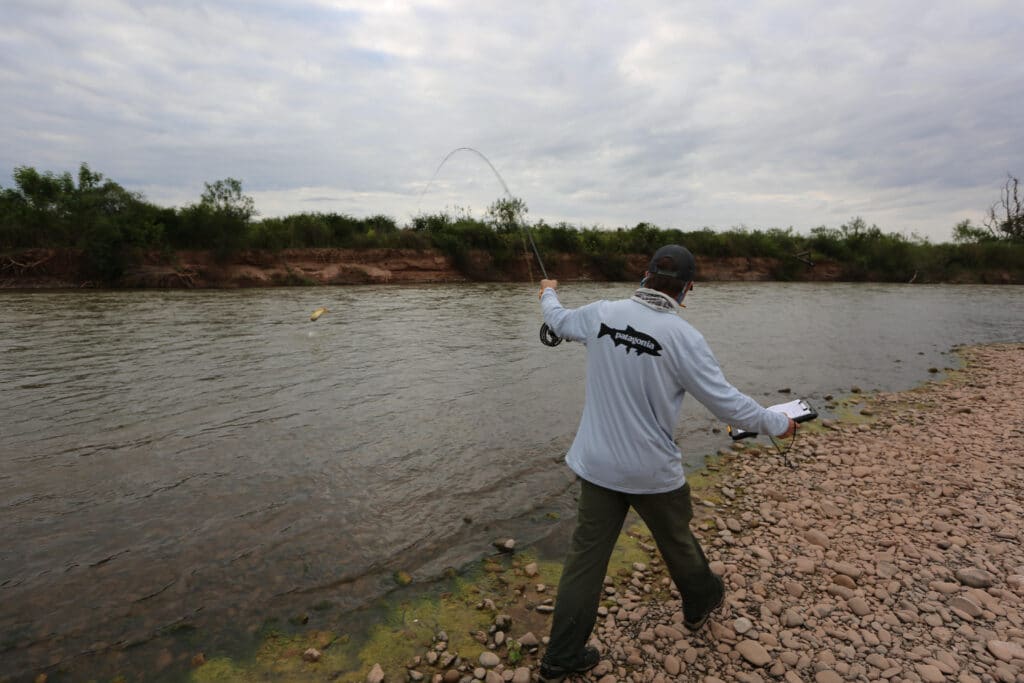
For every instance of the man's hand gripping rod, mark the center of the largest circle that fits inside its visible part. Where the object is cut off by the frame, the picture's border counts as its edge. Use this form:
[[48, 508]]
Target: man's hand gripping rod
[[547, 335]]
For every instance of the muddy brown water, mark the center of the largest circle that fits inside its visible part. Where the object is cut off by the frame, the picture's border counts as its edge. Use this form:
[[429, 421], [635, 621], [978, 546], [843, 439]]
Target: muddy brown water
[[204, 460]]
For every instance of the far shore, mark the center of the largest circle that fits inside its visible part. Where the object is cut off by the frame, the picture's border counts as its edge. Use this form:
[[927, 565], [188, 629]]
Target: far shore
[[66, 269]]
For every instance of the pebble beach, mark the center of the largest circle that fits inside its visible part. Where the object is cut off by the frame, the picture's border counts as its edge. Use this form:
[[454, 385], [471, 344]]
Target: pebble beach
[[884, 547]]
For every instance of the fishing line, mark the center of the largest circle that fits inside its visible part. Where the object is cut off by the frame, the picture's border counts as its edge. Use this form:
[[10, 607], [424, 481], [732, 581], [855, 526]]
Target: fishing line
[[547, 335], [449, 156], [784, 453]]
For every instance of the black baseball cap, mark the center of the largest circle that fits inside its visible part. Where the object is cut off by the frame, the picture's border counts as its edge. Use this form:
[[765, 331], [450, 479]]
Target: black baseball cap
[[674, 261]]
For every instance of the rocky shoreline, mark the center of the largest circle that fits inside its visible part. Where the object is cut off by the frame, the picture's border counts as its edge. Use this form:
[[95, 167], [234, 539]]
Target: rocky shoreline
[[890, 550]]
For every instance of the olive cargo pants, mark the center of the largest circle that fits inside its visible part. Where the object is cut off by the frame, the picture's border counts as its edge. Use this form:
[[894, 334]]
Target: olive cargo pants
[[601, 513]]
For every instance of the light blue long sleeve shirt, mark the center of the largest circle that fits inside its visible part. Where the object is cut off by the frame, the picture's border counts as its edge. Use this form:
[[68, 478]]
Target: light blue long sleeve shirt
[[642, 359]]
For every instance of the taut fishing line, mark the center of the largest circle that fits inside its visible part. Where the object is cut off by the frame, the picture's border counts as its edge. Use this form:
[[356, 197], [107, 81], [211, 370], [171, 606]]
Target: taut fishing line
[[547, 335], [784, 452]]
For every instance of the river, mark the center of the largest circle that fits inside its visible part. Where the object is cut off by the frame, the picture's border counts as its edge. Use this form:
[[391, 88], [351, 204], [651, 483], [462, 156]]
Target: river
[[207, 458]]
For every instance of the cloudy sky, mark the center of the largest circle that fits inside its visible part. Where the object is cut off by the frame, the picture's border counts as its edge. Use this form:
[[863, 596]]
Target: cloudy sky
[[681, 113]]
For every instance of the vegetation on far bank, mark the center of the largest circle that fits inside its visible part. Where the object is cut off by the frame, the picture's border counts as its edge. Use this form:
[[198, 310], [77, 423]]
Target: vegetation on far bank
[[113, 226]]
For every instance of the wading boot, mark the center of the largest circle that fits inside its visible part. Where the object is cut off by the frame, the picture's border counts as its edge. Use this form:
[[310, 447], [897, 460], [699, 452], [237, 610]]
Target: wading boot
[[587, 661], [703, 607]]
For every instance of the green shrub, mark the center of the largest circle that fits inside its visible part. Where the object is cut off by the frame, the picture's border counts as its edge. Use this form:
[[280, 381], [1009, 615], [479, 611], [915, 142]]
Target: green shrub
[[112, 225]]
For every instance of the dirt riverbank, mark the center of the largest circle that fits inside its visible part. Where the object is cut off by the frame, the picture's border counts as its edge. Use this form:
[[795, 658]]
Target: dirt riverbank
[[65, 268], [69, 269]]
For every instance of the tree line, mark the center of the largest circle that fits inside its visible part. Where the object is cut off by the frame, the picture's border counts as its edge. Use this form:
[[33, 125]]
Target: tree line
[[112, 226]]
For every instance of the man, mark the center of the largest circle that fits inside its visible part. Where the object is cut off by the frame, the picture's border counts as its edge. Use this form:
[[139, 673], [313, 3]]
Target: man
[[642, 359]]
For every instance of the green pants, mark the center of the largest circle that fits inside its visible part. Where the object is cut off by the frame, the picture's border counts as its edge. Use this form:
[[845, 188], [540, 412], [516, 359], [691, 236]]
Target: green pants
[[601, 513]]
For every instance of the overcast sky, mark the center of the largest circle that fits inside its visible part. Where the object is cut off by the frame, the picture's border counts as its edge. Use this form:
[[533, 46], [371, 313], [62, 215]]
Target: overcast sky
[[683, 114]]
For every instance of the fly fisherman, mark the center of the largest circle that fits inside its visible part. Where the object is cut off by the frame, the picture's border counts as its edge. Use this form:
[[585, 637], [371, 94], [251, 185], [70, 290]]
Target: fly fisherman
[[642, 359]]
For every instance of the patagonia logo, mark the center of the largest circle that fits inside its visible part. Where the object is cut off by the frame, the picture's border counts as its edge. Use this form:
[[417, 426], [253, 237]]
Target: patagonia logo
[[631, 339]]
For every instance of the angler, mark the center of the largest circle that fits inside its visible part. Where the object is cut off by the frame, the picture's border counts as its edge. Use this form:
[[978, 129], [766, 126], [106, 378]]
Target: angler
[[624, 453]]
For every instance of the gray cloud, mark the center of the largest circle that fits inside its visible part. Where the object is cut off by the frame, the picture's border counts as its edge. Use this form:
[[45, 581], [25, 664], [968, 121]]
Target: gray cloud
[[684, 114]]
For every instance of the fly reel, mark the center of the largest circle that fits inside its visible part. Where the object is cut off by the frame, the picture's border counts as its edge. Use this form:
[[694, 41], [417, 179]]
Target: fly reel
[[548, 336]]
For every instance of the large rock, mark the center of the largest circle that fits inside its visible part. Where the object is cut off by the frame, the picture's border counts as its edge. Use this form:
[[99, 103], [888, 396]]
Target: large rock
[[489, 659], [528, 640], [816, 537], [974, 577], [827, 676], [376, 674], [505, 545], [965, 605], [753, 652], [668, 632], [1005, 651], [930, 673], [859, 606]]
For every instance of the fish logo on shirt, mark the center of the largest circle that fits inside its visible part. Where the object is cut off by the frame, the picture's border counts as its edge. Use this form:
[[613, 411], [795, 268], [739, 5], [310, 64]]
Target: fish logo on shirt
[[631, 339]]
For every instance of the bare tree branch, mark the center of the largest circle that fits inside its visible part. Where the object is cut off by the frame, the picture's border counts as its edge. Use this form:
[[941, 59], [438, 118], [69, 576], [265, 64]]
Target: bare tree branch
[[1007, 215]]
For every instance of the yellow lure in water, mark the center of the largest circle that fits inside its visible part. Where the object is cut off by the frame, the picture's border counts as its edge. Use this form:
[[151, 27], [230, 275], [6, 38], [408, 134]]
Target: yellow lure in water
[[319, 312]]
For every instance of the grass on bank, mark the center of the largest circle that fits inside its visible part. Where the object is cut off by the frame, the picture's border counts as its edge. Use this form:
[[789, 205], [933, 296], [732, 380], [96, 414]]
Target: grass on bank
[[412, 620]]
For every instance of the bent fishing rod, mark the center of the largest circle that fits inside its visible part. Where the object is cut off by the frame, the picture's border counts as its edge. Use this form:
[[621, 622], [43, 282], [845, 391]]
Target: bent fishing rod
[[547, 335]]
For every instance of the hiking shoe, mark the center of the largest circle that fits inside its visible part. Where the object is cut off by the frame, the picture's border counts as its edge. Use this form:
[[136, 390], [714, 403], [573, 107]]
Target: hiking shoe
[[554, 674], [697, 618]]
